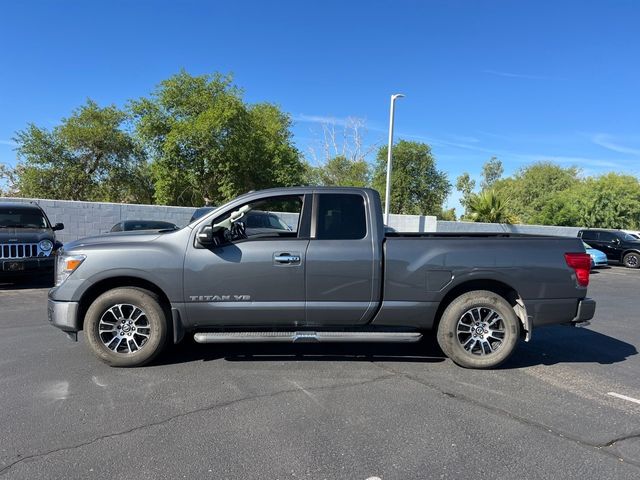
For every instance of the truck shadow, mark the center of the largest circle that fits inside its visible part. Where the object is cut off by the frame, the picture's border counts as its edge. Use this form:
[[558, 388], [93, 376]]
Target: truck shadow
[[425, 351], [549, 346], [566, 344]]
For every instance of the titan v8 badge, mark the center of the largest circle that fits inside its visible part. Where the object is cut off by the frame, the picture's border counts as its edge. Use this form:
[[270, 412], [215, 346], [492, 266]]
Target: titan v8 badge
[[220, 298]]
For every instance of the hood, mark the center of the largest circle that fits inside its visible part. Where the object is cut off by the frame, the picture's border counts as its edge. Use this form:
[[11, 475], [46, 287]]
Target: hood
[[115, 239], [25, 235]]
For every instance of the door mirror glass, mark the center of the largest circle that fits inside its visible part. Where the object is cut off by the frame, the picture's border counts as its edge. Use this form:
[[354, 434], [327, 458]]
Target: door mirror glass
[[58, 226]]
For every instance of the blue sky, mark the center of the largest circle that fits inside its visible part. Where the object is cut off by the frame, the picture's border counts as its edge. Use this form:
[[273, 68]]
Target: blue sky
[[522, 80]]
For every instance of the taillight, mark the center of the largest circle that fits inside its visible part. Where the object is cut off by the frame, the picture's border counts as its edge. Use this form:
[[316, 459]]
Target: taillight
[[581, 264]]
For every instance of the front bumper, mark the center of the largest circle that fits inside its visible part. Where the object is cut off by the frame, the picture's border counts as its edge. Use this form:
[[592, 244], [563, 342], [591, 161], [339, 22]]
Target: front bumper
[[64, 315], [21, 266], [586, 310]]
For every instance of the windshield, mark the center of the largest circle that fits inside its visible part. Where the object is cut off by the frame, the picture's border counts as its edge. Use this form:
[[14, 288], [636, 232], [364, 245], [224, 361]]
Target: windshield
[[630, 238], [22, 218], [586, 245]]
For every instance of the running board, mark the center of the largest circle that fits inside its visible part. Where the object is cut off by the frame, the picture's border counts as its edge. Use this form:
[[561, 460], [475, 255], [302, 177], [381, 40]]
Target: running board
[[305, 336]]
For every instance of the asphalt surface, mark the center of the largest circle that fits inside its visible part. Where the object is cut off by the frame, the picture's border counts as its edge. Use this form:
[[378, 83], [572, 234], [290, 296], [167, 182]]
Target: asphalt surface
[[317, 411]]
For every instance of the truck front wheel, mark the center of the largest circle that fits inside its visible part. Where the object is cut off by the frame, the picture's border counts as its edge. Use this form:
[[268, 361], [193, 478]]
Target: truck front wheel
[[126, 327], [479, 329]]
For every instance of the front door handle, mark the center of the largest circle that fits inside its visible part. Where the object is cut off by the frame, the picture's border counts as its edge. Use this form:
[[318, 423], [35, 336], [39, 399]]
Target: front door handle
[[286, 258]]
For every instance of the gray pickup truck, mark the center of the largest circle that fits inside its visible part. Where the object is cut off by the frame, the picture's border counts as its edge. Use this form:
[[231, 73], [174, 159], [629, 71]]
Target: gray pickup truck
[[333, 275]]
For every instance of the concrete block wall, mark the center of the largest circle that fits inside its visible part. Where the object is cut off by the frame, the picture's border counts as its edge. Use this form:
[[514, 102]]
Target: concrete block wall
[[83, 219], [447, 226]]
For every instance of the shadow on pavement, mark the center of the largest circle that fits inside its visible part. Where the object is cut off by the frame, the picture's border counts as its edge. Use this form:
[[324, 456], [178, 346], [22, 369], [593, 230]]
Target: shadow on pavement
[[425, 351], [566, 344], [549, 346], [22, 283]]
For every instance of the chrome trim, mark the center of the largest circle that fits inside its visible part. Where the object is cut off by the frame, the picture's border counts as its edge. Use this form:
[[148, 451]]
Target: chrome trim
[[305, 336], [10, 251]]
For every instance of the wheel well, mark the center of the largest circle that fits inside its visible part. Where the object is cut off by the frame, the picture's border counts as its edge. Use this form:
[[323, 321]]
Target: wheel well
[[502, 289], [102, 286], [627, 252]]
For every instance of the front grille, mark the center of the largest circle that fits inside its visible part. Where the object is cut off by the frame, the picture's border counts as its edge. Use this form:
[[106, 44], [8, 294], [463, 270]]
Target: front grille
[[18, 250]]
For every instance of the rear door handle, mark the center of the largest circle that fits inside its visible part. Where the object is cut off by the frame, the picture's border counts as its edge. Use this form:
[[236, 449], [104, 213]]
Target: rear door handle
[[286, 258]]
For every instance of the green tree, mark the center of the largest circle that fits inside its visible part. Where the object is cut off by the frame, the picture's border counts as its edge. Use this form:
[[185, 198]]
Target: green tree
[[492, 170], [417, 186], [89, 156], [465, 185], [487, 206], [448, 214], [533, 187], [208, 145], [609, 201], [341, 172]]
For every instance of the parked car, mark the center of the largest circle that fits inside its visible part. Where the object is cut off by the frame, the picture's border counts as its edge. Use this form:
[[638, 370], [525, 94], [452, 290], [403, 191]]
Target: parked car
[[128, 225], [334, 277], [598, 258], [617, 245], [27, 240]]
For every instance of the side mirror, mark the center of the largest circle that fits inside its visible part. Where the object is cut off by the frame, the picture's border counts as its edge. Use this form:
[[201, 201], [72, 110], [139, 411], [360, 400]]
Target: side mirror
[[205, 236], [58, 226], [616, 241]]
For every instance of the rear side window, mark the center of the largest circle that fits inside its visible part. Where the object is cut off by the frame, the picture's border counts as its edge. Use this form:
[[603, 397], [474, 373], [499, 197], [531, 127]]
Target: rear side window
[[589, 235], [607, 237], [341, 217]]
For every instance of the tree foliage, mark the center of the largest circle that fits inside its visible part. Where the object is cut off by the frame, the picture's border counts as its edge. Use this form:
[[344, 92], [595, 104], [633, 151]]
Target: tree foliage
[[532, 188], [340, 172], [208, 145], [492, 170], [417, 186], [487, 206], [89, 156]]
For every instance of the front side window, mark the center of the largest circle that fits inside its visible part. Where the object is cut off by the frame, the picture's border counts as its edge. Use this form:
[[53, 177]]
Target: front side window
[[589, 235], [341, 217], [275, 217]]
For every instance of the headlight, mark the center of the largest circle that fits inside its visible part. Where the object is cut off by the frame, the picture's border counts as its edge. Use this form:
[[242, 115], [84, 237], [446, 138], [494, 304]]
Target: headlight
[[45, 245], [66, 265]]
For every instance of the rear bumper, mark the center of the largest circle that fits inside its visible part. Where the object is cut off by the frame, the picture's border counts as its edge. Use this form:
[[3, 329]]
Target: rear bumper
[[586, 310], [560, 311], [63, 315]]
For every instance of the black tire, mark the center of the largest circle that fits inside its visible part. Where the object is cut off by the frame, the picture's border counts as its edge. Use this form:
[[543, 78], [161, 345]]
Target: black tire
[[147, 332], [482, 350], [631, 260]]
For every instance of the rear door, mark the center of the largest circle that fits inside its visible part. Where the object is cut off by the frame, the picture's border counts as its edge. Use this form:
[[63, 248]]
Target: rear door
[[609, 244], [342, 277]]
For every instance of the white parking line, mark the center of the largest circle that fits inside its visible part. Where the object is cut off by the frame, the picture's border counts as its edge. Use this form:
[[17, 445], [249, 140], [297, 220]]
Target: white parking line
[[624, 397]]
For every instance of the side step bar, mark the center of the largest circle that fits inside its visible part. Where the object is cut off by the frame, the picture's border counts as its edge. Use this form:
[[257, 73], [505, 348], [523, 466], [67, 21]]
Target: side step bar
[[305, 336]]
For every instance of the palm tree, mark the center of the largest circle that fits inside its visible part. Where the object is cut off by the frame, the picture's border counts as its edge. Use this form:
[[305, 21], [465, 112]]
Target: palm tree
[[487, 206]]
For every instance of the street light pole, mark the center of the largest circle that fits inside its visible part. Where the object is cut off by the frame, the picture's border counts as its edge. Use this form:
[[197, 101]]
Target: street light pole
[[387, 193]]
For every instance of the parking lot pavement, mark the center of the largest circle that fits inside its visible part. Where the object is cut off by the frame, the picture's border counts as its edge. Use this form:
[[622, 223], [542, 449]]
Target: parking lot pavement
[[562, 407]]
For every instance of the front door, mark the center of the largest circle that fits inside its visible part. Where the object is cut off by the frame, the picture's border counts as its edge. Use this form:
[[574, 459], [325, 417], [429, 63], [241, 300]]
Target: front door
[[257, 280]]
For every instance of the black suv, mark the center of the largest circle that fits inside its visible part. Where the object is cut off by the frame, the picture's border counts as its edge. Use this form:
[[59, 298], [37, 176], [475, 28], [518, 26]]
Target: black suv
[[27, 241], [617, 245]]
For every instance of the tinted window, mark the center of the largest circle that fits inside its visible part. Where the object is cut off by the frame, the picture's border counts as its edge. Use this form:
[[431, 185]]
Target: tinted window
[[117, 227], [22, 218], [341, 217], [589, 235], [607, 237]]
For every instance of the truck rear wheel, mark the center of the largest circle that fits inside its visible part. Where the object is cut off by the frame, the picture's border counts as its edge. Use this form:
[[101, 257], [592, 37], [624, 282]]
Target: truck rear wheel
[[126, 327], [479, 329]]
